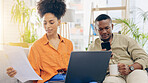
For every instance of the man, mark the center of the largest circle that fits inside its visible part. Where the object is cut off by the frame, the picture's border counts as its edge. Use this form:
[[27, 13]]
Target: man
[[130, 57]]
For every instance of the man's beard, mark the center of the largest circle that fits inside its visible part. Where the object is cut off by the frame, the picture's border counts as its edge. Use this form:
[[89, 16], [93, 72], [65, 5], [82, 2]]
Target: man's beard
[[105, 40]]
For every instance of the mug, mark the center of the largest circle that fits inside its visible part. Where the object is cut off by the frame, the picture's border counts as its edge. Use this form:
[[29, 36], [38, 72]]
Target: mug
[[113, 69]]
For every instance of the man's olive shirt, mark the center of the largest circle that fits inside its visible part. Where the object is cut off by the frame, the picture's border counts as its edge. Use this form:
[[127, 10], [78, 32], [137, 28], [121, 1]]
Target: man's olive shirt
[[125, 50]]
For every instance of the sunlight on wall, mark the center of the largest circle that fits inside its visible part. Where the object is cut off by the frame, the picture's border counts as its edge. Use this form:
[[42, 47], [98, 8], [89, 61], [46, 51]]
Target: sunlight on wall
[[1, 24]]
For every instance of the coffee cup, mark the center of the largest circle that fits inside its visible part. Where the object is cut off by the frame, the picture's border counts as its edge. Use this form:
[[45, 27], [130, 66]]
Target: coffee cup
[[113, 69]]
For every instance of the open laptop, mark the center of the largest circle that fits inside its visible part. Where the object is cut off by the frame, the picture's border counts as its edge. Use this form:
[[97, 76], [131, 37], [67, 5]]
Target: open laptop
[[87, 66]]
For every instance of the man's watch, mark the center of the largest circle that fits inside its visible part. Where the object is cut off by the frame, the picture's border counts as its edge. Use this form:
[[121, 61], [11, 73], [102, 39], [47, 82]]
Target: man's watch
[[131, 68]]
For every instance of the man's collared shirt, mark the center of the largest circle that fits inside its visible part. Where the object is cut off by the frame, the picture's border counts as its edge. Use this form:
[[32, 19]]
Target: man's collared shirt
[[125, 50]]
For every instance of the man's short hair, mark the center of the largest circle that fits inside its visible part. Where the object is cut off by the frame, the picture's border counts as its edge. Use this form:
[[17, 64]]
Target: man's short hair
[[103, 17]]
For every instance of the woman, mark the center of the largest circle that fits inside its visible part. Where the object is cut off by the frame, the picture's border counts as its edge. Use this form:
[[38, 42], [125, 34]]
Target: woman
[[50, 54]]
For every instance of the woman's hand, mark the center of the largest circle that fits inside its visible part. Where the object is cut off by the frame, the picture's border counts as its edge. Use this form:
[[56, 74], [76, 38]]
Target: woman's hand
[[11, 72]]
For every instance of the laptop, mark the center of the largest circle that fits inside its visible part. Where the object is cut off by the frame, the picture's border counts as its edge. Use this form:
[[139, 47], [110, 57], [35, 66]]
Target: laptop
[[87, 66]]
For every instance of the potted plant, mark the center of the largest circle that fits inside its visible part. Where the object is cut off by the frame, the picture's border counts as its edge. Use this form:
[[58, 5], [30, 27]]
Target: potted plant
[[130, 28], [22, 14]]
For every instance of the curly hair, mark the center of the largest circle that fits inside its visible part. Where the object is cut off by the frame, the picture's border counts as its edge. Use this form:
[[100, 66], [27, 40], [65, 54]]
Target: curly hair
[[56, 7]]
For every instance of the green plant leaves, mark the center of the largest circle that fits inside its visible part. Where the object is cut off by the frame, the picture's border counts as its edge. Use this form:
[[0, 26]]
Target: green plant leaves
[[130, 28], [21, 14]]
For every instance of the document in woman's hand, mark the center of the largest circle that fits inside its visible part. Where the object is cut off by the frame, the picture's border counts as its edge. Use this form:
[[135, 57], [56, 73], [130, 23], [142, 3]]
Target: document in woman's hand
[[18, 60]]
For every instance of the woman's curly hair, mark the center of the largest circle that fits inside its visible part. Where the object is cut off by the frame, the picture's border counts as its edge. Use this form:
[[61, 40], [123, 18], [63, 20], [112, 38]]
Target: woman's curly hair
[[56, 7]]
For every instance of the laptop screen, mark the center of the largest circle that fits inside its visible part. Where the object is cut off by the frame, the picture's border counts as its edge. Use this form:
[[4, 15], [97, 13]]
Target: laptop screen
[[87, 66]]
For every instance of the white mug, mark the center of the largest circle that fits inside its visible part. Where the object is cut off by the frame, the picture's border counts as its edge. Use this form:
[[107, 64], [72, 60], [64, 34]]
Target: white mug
[[113, 69]]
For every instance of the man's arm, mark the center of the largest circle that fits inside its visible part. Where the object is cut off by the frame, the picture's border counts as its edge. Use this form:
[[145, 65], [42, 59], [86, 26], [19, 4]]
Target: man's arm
[[138, 55], [137, 66]]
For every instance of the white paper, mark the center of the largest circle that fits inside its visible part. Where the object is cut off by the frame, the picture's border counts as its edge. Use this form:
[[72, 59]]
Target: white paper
[[19, 61]]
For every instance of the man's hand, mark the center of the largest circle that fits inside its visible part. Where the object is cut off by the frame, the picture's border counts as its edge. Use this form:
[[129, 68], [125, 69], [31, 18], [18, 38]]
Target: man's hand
[[11, 72], [103, 50], [123, 69], [108, 50]]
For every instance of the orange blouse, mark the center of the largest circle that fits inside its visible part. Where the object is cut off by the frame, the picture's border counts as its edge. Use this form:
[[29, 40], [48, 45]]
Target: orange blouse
[[46, 60]]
